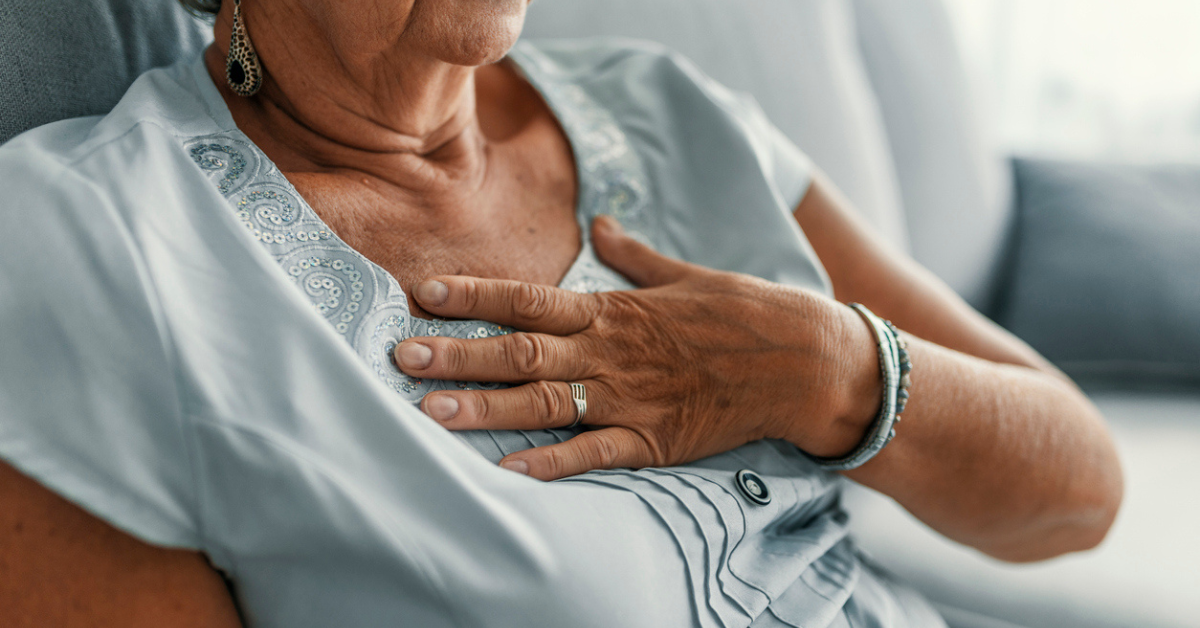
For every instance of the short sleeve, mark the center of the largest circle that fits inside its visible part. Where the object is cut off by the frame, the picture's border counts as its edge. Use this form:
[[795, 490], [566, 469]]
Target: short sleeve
[[88, 397], [786, 166], [784, 163]]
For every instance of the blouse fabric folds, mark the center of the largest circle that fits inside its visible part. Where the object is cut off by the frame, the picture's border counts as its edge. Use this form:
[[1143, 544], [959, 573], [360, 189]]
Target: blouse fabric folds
[[190, 354]]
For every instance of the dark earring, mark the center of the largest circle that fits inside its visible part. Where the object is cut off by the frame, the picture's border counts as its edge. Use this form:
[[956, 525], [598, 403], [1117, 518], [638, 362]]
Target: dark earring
[[242, 69]]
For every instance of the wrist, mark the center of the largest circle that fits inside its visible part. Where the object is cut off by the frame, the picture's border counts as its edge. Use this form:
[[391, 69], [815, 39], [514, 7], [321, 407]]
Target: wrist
[[855, 392], [894, 366], [863, 384]]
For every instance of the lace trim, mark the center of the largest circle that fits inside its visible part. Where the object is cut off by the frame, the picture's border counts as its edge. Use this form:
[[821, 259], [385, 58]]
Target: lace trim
[[361, 300]]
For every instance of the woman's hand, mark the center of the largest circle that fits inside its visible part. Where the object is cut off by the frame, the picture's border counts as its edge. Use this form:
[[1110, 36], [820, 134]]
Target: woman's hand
[[998, 450], [696, 363]]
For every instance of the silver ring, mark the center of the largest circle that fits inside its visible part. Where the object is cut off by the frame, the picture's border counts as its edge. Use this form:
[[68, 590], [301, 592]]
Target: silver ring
[[579, 396]]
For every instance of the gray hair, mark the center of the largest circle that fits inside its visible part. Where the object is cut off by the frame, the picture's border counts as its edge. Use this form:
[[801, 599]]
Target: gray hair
[[202, 8]]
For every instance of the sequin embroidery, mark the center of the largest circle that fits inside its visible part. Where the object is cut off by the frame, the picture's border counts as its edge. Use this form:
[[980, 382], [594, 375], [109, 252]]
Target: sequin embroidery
[[361, 300]]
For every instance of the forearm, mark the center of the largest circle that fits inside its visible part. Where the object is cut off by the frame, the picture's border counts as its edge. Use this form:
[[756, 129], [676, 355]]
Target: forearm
[[1007, 459], [997, 448]]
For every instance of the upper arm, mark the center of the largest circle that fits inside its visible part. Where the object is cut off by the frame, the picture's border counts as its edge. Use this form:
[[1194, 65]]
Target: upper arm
[[60, 566], [89, 386], [863, 269], [90, 409]]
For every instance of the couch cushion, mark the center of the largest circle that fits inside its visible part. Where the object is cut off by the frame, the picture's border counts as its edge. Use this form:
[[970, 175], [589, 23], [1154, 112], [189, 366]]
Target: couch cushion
[[955, 186], [798, 58], [1106, 280], [75, 58], [1144, 574]]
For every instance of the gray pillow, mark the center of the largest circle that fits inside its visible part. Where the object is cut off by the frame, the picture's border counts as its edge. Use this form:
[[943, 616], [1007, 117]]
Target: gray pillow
[[68, 58], [1106, 276]]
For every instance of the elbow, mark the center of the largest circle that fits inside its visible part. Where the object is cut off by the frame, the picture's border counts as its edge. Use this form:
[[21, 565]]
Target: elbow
[[1065, 540], [1068, 540], [1098, 500], [1080, 527], [1105, 515], [1089, 501], [1102, 514]]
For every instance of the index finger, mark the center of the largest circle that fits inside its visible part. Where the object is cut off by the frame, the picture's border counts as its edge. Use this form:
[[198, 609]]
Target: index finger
[[526, 306], [608, 448]]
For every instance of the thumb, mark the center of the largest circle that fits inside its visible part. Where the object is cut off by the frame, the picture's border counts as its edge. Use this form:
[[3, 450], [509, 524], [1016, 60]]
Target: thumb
[[640, 264]]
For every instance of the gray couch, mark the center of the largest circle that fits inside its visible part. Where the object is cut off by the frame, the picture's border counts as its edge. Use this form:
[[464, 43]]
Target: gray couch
[[1096, 265], [874, 92]]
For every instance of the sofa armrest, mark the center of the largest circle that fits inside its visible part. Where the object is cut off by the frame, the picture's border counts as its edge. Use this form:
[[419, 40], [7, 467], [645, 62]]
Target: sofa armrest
[[1104, 275]]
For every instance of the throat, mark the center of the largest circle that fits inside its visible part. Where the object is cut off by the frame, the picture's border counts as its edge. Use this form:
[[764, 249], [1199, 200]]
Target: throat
[[437, 134], [505, 230], [484, 185]]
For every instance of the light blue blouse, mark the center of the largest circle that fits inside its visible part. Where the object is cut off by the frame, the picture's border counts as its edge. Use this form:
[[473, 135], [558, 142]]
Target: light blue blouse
[[189, 353]]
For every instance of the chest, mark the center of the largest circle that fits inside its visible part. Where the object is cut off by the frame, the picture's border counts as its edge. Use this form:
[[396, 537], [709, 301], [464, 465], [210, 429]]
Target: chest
[[520, 223]]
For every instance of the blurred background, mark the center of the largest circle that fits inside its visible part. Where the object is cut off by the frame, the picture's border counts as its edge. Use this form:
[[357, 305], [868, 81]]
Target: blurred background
[[1092, 260], [1111, 80]]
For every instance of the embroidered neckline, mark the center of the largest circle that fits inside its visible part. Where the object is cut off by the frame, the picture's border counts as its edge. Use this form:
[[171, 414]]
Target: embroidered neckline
[[363, 302]]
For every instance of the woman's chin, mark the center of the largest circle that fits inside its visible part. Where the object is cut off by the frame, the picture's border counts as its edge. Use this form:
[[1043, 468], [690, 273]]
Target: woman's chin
[[485, 46], [475, 32]]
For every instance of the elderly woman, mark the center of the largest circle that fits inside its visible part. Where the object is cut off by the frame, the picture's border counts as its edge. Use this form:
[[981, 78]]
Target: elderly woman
[[223, 300]]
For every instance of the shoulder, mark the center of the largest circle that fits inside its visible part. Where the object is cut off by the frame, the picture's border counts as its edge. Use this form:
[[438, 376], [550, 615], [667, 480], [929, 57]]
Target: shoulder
[[102, 151], [90, 180], [620, 72], [73, 267], [83, 195], [70, 187], [651, 90], [697, 148], [82, 199], [589, 56], [655, 94]]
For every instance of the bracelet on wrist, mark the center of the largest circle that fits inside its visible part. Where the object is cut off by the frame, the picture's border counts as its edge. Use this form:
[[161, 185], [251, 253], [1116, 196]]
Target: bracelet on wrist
[[895, 365]]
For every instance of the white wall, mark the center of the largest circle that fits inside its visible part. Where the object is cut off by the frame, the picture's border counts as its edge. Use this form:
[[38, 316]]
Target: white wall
[[1108, 79]]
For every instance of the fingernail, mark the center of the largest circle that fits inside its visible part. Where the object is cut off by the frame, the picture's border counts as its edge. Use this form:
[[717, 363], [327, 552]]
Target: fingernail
[[431, 292], [412, 355], [516, 466], [442, 407]]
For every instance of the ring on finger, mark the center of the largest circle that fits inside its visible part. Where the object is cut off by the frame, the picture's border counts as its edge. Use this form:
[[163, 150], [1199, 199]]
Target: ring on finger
[[579, 396]]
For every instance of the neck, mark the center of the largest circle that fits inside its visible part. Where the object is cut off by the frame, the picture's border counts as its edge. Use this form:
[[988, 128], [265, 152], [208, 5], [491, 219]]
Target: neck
[[330, 105]]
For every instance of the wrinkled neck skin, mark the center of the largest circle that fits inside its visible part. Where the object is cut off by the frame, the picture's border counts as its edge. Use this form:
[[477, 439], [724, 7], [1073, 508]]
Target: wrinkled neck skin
[[379, 88]]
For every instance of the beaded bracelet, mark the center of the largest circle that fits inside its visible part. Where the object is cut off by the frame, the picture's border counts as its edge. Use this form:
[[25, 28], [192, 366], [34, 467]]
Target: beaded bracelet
[[896, 367]]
